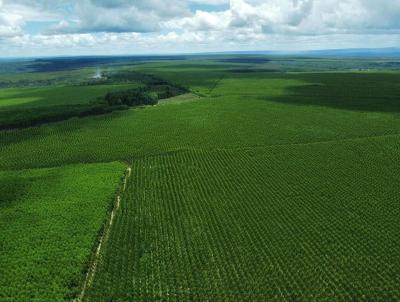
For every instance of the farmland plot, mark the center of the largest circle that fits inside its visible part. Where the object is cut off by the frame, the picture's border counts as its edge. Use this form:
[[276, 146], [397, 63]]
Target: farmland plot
[[240, 113], [269, 186], [308, 222], [49, 222]]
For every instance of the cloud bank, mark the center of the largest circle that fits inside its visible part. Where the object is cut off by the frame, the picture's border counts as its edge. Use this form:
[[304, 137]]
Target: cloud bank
[[30, 27]]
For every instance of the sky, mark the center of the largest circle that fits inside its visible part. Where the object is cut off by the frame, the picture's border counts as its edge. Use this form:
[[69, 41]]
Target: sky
[[112, 27]]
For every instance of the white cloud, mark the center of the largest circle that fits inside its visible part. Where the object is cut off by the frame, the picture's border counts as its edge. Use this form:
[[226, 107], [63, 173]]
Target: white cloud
[[303, 17], [159, 25], [210, 2], [201, 21], [121, 16], [14, 15]]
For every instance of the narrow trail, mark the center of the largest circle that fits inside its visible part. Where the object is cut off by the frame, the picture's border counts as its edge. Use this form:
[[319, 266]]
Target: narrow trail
[[215, 85], [104, 237]]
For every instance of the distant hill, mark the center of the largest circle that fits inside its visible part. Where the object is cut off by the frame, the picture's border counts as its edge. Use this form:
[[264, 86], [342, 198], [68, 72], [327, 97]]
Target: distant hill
[[390, 52], [355, 52], [47, 64]]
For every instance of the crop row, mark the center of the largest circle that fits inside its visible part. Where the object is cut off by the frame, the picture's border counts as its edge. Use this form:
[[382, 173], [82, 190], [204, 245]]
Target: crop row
[[237, 119], [287, 224]]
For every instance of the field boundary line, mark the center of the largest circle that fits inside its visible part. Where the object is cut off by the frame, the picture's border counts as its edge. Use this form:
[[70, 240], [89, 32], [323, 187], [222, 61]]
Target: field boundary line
[[344, 140], [104, 237], [249, 148], [215, 85]]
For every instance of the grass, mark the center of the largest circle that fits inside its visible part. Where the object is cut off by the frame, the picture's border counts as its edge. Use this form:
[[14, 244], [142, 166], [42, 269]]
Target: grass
[[49, 222]]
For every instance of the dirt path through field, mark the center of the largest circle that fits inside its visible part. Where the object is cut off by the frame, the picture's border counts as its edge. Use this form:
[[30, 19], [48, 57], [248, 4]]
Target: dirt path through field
[[92, 269]]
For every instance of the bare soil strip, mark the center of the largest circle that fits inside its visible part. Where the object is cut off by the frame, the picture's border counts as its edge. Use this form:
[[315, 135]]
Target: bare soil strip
[[92, 269], [183, 98]]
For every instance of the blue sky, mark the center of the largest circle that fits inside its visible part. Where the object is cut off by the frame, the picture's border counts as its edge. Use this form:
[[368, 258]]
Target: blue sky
[[84, 27]]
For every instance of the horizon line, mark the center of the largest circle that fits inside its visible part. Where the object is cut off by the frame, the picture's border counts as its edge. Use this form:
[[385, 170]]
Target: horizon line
[[172, 54]]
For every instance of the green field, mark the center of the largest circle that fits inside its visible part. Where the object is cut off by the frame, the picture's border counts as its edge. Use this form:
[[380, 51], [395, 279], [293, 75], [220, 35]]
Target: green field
[[283, 223], [239, 113], [54, 96], [49, 221], [268, 181], [18, 105]]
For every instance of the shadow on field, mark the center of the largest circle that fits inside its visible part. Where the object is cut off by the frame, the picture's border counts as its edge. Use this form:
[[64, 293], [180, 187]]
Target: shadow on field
[[69, 126], [368, 92], [61, 64], [14, 188]]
